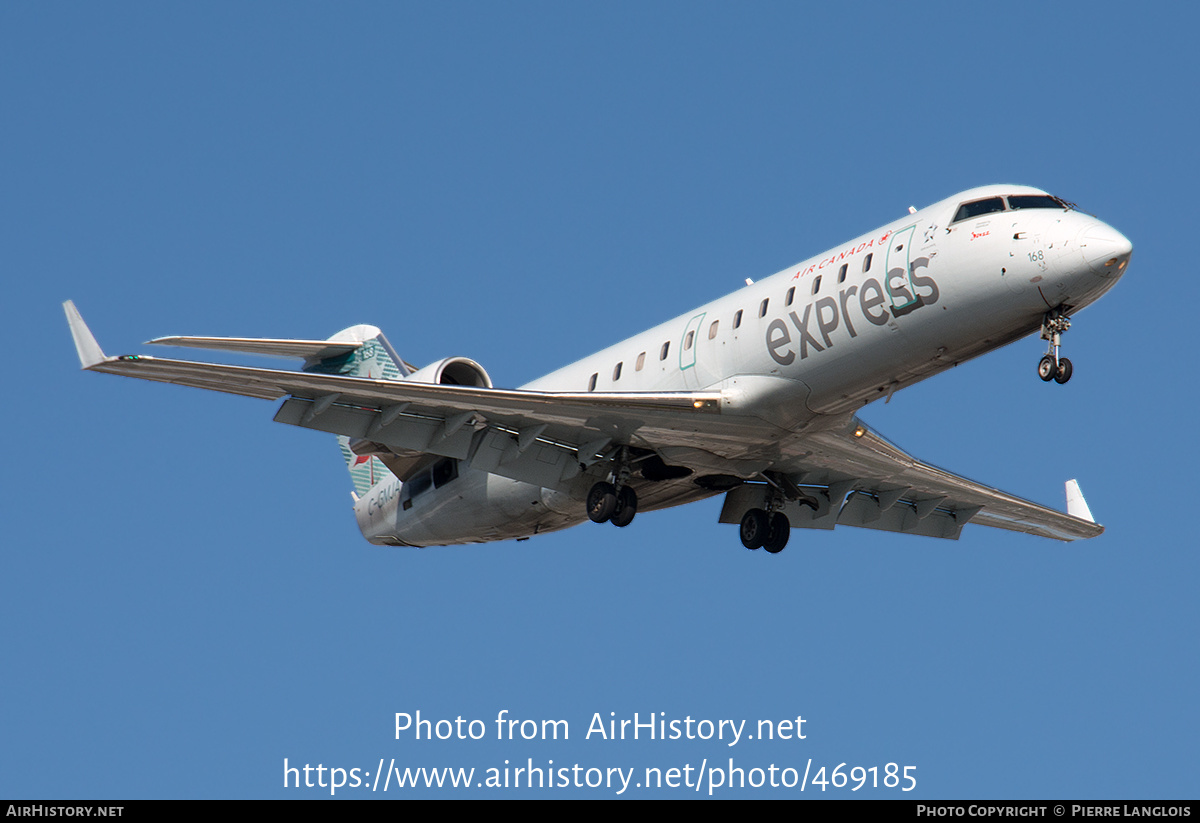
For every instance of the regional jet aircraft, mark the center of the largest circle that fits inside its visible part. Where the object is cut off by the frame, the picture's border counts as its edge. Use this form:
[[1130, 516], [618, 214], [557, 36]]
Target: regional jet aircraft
[[752, 396]]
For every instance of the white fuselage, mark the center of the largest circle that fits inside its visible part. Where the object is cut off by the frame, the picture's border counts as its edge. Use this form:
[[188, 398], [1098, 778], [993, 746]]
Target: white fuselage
[[818, 339]]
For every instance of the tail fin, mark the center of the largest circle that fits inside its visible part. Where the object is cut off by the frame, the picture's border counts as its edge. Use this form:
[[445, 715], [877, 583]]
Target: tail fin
[[371, 357], [365, 471]]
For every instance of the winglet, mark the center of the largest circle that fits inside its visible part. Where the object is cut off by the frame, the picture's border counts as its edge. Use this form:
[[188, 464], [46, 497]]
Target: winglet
[[1076, 505], [89, 350]]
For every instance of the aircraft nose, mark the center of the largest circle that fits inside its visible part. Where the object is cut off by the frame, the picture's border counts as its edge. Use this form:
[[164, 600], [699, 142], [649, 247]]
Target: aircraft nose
[[1105, 249]]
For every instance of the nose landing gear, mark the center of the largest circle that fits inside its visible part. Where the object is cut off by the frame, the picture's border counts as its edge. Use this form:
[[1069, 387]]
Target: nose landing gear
[[1053, 367]]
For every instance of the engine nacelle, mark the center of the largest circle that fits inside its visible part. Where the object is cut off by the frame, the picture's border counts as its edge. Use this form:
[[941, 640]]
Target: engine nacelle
[[453, 371]]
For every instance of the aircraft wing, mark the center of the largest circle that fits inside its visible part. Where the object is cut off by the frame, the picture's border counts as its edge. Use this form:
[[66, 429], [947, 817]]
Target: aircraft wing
[[857, 477], [852, 476], [411, 417], [899, 490]]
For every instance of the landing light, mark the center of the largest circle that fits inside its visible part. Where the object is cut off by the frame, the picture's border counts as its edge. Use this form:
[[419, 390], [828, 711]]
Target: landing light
[[1111, 262], [860, 431]]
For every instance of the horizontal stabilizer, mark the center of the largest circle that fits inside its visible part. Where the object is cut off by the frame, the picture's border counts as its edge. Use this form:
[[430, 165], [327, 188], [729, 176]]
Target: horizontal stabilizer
[[304, 349]]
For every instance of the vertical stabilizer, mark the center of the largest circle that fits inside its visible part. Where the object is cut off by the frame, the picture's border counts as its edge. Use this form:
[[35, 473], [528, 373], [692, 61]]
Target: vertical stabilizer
[[375, 359]]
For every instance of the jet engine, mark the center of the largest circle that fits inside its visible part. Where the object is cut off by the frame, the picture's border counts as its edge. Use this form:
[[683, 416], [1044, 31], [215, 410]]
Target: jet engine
[[453, 371]]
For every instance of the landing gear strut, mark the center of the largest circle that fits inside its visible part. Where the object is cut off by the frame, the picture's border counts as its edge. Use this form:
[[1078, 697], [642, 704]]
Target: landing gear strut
[[1053, 367]]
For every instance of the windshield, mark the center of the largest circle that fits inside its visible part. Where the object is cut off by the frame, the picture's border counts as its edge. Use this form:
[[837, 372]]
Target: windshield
[[989, 205], [975, 209], [1035, 201]]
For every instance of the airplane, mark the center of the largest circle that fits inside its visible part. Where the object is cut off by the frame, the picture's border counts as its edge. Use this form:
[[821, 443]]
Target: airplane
[[752, 396]]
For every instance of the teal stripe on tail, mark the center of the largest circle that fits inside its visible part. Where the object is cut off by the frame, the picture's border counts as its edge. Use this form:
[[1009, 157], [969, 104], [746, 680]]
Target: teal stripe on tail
[[375, 359]]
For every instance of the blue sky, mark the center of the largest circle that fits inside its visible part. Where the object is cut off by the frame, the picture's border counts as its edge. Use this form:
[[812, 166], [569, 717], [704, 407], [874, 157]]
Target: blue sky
[[187, 599]]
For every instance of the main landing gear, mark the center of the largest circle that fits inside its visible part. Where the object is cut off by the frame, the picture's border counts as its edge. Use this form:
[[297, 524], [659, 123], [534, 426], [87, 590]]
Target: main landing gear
[[769, 528], [615, 502], [765, 530], [607, 502], [1053, 367]]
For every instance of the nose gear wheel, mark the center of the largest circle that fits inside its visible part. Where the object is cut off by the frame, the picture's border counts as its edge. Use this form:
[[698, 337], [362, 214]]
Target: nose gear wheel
[[1051, 366]]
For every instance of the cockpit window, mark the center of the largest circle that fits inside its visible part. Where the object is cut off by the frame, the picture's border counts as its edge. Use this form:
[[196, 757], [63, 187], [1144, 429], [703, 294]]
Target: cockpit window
[[979, 207], [1034, 201]]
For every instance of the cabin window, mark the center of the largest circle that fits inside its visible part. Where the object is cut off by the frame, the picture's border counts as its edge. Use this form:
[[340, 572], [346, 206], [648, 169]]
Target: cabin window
[[790, 296], [762, 308], [641, 361], [737, 319], [816, 285], [842, 272], [617, 372], [592, 382], [978, 208], [712, 330], [687, 341], [867, 263], [666, 347]]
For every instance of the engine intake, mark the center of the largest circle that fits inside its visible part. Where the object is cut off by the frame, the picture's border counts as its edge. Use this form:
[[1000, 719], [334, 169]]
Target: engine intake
[[453, 371]]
